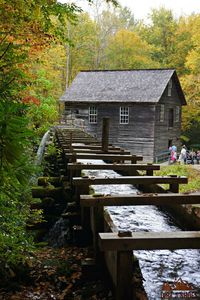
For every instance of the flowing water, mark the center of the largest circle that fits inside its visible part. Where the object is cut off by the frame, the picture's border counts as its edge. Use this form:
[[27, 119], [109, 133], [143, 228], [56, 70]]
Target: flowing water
[[41, 148], [157, 266]]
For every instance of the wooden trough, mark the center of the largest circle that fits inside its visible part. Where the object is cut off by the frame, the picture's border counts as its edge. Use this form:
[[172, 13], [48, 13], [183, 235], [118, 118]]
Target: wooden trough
[[118, 246]]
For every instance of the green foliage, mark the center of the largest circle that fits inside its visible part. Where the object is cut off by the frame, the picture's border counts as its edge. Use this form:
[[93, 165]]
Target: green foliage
[[45, 114], [26, 28], [15, 243], [51, 150], [13, 134], [161, 35], [182, 170], [15, 171]]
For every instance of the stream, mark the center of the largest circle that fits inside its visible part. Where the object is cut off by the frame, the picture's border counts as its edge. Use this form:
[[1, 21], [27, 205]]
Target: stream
[[157, 266]]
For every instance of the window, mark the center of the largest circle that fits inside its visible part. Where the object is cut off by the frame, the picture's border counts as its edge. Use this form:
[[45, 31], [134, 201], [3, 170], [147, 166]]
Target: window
[[169, 88], [92, 114], [162, 113], [177, 114], [124, 115], [171, 118]]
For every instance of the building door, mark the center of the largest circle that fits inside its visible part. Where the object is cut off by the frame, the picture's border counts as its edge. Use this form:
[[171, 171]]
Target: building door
[[169, 143]]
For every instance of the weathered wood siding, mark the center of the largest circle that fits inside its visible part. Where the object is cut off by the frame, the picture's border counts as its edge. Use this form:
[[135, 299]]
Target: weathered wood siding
[[145, 134], [137, 136], [163, 133]]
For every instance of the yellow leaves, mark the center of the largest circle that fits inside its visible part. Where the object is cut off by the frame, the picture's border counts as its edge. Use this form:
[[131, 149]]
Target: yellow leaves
[[191, 26], [127, 50], [193, 60], [37, 11], [189, 29]]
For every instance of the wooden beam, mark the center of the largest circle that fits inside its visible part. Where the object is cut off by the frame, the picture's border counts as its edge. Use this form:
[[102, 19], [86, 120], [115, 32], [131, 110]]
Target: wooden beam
[[124, 273], [96, 151], [80, 139], [150, 241], [105, 134], [44, 181], [41, 192], [129, 180], [95, 147], [143, 199], [111, 157], [84, 141], [117, 167]]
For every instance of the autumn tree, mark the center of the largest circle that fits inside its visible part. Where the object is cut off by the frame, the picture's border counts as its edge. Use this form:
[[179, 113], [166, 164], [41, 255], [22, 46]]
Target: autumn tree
[[90, 38], [126, 50], [80, 53], [26, 29], [161, 35], [191, 84]]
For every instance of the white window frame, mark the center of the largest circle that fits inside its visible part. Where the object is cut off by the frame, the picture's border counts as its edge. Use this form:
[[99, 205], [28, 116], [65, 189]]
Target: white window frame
[[124, 115], [162, 113], [92, 114], [169, 88], [177, 114]]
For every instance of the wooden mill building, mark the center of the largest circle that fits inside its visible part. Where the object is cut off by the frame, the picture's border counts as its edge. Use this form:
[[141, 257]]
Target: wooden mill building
[[144, 107]]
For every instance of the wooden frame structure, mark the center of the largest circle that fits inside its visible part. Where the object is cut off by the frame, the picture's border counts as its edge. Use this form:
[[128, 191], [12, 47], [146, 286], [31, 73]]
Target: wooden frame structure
[[118, 246]]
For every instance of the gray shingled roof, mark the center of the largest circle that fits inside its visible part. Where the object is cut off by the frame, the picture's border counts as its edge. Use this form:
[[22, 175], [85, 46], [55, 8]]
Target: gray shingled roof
[[120, 86]]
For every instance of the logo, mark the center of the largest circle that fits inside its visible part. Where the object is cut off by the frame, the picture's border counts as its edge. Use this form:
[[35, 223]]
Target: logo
[[178, 290]]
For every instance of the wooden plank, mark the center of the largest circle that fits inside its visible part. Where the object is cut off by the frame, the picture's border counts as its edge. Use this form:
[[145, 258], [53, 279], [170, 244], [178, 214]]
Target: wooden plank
[[97, 225], [129, 180], [95, 147], [97, 151], [79, 139], [117, 167], [111, 157], [143, 199], [150, 241], [109, 225], [74, 141]]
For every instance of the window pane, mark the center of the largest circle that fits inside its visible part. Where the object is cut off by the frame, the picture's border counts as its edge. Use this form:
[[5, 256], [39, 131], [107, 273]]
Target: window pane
[[124, 115], [92, 114]]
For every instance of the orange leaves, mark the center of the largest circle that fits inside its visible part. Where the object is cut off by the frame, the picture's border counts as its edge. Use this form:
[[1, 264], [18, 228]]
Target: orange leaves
[[31, 100]]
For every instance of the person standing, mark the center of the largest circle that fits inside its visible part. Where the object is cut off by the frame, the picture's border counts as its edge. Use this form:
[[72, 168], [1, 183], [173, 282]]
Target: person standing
[[174, 148], [198, 157], [173, 154], [183, 155]]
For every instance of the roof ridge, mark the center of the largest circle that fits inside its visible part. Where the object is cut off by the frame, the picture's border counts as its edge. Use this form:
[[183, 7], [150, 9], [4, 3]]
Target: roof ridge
[[122, 70]]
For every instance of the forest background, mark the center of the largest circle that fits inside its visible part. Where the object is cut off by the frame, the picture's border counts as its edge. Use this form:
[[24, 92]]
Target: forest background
[[43, 45]]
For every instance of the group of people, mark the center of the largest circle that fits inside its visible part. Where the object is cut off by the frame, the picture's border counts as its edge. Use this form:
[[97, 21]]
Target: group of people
[[185, 156]]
